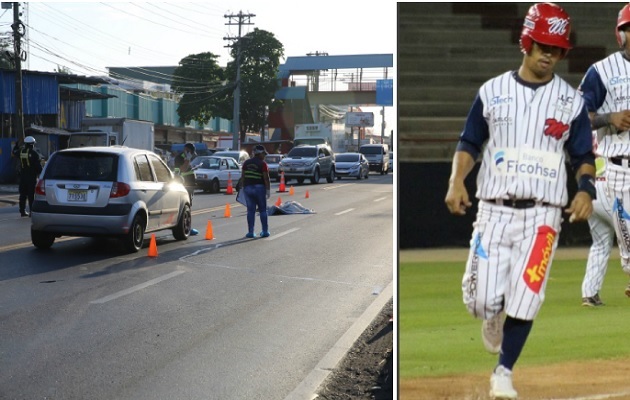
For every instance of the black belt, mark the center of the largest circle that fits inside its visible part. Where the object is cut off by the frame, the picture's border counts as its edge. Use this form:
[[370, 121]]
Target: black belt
[[619, 161], [520, 204]]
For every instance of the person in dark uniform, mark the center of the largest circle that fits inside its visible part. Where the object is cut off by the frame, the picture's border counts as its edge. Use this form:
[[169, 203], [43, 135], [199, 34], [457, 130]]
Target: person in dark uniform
[[255, 183], [30, 168], [182, 161], [182, 164]]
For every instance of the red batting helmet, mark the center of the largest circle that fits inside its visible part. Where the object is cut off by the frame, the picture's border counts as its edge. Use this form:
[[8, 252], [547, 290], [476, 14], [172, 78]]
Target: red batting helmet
[[622, 19], [546, 23]]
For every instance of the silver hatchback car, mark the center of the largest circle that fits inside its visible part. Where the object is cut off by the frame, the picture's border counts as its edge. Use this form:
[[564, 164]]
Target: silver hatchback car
[[108, 191]]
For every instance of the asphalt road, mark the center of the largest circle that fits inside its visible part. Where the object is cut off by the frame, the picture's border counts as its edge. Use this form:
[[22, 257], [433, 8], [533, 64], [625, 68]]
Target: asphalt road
[[228, 318]]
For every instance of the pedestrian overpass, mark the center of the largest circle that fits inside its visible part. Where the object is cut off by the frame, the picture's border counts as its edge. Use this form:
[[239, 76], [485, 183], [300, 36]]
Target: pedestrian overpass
[[311, 83]]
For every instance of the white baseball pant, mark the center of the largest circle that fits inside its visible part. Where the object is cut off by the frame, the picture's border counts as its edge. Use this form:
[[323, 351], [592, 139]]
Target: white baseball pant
[[603, 235], [509, 261]]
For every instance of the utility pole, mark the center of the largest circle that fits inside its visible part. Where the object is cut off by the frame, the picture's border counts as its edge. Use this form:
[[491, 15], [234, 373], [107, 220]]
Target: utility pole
[[241, 19], [18, 32], [315, 83]]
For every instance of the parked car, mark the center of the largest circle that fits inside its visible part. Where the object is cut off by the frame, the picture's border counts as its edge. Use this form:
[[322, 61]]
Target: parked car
[[377, 155], [351, 165], [213, 173], [391, 161], [309, 162], [275, 169], [108, 191], [239, 155]]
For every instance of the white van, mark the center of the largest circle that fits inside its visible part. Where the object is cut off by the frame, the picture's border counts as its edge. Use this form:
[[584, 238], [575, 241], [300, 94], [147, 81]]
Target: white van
[[377, 155]]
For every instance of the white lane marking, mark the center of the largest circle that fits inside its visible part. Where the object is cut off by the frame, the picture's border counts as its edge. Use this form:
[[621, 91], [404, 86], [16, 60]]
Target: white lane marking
[[281, 234], [380, 199], [345, 211], [136, 288]]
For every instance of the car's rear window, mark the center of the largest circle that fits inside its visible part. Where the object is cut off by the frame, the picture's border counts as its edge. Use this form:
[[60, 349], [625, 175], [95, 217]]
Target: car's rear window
[[303, 152], [83, 166]]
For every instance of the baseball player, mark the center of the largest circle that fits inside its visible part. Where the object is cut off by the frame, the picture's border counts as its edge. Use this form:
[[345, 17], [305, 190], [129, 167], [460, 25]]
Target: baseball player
[[606, 91], [521, 122], [603, 236]]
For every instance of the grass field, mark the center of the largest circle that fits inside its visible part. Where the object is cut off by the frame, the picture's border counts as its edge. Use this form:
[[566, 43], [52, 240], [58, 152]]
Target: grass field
[[437, 336]]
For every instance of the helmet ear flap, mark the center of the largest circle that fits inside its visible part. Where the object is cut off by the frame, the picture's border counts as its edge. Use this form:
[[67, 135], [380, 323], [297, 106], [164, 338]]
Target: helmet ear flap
[[621, 38], [526, 44]]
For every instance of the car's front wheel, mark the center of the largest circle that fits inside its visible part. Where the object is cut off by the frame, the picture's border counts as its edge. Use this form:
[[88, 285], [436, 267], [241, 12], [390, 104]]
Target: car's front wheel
[[315, 177], [331, 176], [215, 187], [134, 238], [184, 225], [42, 240]]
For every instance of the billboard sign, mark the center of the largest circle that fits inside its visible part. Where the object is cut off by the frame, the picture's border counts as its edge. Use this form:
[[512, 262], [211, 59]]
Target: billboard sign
[[360, 119], [385, 92]]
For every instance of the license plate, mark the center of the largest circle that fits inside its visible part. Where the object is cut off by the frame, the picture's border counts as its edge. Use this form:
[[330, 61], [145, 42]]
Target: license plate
[[77, 195]]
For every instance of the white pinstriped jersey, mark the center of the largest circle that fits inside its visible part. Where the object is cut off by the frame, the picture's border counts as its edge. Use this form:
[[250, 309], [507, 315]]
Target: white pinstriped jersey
[[527, 130], [606, 89]]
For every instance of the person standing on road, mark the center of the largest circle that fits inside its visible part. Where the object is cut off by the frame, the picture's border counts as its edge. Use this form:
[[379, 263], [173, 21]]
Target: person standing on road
[[30, 167], [256, 185], [182, 164], [605, 89], [522, 122]]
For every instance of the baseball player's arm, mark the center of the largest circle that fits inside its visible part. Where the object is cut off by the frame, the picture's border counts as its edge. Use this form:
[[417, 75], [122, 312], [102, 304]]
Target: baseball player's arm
[[619, 119], [581, 207], [457, 199]]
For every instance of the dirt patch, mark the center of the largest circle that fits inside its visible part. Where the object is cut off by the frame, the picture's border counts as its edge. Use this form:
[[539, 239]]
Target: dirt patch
[[591, 380], [366, 372]]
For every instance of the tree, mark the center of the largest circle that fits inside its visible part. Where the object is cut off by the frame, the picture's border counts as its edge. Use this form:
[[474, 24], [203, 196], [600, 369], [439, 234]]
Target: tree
[[7, 58], [199, 80], [61, 69], [260, 59]]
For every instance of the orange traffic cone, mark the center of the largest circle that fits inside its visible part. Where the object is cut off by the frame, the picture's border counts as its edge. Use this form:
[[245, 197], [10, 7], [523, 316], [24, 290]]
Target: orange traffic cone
[[230, 189], [227, 214], [282, 187], [209, 235], [278, 202], [153, 247], [291, 191], [306, 196]]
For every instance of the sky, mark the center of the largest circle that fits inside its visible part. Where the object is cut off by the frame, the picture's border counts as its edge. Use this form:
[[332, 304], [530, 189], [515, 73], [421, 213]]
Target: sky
[[87, 37]]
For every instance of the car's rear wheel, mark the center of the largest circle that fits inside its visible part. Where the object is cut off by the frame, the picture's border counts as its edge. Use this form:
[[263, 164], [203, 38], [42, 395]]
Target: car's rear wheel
[[184, 225], [331, 176], [215, 187], [42, 240], [133, 240], [315, 177]]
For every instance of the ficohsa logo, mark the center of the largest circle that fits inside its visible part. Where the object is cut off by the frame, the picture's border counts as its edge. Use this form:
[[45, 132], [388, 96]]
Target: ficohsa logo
[[499, 158]]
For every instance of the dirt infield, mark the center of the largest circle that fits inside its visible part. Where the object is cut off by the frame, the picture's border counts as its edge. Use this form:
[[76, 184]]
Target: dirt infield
[[594, 380], [590, 380]]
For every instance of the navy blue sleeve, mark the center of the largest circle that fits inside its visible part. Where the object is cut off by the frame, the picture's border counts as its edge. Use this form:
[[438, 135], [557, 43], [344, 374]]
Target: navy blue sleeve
[[475, 131], [580, 143], [593, 90]]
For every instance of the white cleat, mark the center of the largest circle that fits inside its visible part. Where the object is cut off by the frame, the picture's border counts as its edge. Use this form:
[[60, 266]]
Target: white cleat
[[492, 333], [501, 384]]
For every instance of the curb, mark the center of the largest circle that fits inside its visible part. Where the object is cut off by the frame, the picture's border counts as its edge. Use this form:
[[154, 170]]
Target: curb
[[307, 389]]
